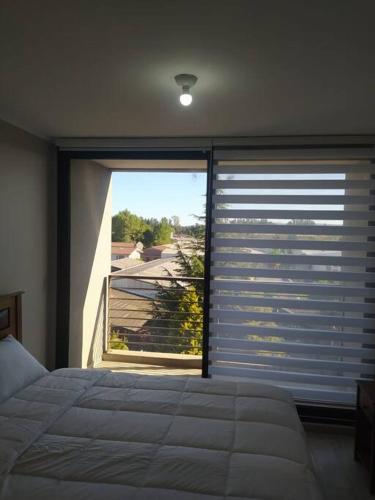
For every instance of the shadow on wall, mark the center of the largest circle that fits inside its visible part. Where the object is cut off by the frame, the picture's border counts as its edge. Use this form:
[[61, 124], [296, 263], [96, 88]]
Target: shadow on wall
[[99, 335], [90, 260]]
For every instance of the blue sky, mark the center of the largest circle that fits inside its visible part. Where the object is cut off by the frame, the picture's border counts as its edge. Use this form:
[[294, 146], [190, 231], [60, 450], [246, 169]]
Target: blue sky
[[164, 194], [159, 194]]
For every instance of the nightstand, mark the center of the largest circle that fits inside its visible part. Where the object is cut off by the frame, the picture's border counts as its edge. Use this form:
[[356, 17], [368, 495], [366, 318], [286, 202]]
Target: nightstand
[[364, 447]]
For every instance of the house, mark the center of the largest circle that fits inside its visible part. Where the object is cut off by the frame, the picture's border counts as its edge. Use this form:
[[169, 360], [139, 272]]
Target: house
[[282, 120], [159, 252], [153, 253], [145, 282], [124, 263], [168, 250], [126, 250]]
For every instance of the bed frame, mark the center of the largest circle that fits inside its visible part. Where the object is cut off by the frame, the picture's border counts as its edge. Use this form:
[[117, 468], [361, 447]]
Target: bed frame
[[11, 315]]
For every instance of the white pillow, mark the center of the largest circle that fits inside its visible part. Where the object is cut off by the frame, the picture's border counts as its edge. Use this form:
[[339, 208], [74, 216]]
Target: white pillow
[[18, 368]]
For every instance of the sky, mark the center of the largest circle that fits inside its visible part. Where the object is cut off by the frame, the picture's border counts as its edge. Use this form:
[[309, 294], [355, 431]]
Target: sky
[[164, 194], [159, 194]]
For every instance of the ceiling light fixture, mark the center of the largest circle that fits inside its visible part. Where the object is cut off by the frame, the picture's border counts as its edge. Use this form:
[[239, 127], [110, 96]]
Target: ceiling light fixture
[[186, 82]]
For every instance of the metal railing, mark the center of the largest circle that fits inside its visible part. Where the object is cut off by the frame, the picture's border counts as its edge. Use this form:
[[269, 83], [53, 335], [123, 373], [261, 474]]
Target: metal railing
[[155, 314]]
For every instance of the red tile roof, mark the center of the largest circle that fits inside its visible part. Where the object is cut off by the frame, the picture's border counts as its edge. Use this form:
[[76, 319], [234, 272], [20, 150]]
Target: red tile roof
[[119, 248], [122, 244]]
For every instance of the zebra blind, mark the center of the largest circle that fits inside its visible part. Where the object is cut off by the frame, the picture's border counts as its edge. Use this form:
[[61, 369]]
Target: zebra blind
[[293, 270]]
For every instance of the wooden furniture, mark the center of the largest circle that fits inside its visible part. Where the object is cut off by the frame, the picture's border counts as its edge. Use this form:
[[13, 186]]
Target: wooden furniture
[[11, 315], [364, 448]]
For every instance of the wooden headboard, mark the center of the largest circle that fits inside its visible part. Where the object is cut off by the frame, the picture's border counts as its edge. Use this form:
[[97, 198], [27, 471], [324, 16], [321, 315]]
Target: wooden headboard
[[11, 315]]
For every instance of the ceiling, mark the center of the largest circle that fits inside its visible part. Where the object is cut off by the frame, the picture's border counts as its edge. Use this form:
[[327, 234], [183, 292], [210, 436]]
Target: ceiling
[[158, 165], [105, 68]]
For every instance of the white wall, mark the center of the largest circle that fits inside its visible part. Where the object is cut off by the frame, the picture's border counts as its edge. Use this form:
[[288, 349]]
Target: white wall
[[91, 227], [27, 234]]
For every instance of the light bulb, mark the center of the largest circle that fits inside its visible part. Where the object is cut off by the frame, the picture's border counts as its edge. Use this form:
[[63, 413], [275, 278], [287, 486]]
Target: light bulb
[[186, 99], [186, 81]]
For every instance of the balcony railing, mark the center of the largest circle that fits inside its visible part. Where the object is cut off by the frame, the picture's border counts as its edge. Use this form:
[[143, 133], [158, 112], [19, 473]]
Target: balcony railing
[[155, 314]]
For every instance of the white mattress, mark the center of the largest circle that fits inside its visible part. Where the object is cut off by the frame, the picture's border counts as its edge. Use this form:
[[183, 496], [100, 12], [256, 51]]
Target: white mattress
[[90, 435]]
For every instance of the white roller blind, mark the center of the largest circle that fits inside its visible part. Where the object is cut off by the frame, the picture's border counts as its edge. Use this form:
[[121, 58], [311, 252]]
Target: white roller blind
[[293, 270]]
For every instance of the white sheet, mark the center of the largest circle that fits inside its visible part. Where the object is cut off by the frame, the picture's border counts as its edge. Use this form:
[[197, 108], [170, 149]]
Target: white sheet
[[87, 434]]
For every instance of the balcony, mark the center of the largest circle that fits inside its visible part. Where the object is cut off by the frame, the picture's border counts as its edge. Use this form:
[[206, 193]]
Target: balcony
[[155, 320]]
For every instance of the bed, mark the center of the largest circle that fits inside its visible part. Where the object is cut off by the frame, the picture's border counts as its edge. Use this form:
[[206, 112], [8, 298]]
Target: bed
[[92, 434]]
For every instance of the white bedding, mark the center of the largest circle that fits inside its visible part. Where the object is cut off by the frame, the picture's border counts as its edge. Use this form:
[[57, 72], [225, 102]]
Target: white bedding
[[90, 435]]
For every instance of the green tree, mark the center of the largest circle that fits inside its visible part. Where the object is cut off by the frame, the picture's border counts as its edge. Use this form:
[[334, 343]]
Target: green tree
[[118, 227], [191, 304], [162, 232], [117, 341], [128, 227], [191, 261], [180, 305], [196, 230], [135, 228]]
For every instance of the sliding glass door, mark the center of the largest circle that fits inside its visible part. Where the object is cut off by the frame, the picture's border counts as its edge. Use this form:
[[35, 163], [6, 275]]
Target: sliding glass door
[[292, 269]]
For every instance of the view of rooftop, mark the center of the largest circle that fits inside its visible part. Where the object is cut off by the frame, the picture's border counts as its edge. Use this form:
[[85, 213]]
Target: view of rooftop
[[150, 307]]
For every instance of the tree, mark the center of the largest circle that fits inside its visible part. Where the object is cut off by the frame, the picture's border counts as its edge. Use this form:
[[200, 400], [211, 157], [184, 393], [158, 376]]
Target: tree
[[162, 232], [191, 261], [176, 223], [181, 304], [128, 227], [118, 223], [196, 230], [135, 227], [191, 303], [148, 238], [117, 341]]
